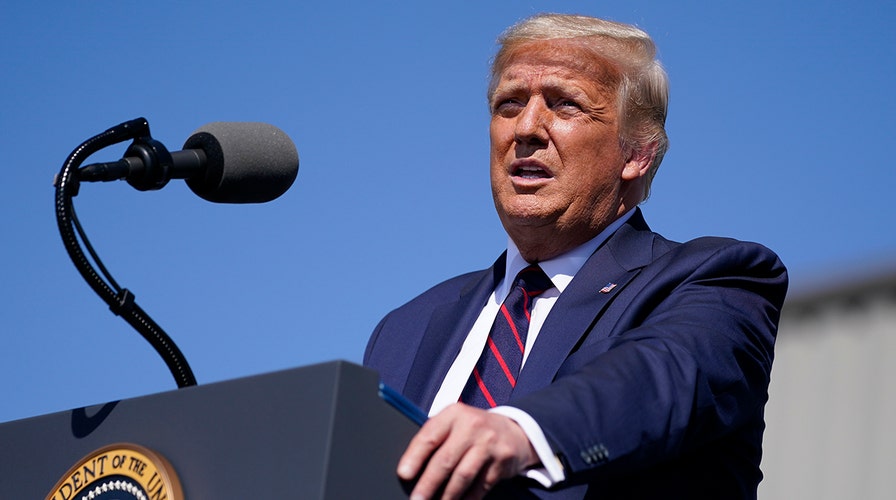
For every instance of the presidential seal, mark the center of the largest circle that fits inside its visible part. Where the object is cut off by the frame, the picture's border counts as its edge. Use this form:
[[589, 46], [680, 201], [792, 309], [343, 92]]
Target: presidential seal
[[119, 472]]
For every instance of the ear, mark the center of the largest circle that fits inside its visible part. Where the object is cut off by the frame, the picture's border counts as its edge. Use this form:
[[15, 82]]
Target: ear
[[638, 162]]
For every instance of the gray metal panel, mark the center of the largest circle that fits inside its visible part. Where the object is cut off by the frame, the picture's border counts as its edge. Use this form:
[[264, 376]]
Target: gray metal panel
[[314, 432], [832, 399]]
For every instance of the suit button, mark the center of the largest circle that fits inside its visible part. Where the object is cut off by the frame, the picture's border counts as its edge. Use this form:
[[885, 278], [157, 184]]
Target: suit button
[[586, 456], [595, 454]]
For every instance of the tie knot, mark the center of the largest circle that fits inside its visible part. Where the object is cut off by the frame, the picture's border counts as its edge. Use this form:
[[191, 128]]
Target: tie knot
[[533, 280]]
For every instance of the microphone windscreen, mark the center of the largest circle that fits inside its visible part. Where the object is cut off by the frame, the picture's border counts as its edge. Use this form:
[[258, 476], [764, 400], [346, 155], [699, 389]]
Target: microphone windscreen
[[247, 162]]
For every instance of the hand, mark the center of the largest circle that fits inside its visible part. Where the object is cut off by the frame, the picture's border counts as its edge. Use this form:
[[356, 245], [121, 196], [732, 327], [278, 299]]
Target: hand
[[467, 450]]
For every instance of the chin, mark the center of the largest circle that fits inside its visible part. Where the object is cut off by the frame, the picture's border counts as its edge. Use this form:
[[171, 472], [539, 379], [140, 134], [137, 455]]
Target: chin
[[525, 217]]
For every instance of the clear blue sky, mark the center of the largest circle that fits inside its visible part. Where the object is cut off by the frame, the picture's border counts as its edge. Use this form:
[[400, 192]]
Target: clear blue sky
[[781, 125]]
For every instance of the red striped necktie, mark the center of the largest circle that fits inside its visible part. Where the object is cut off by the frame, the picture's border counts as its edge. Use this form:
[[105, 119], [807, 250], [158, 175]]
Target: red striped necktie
[[495, 374]]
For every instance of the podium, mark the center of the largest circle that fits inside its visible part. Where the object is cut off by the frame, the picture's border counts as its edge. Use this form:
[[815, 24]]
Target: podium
[[316, 432]]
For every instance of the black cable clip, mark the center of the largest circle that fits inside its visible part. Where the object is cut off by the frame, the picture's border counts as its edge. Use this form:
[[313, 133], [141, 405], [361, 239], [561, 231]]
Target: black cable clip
[[124, 302]]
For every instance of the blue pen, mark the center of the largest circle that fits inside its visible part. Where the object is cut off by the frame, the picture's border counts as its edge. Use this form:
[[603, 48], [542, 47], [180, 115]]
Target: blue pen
[[402, 404]]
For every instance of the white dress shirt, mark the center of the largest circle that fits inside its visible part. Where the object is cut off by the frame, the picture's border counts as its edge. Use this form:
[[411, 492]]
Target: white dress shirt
[[561, 271]]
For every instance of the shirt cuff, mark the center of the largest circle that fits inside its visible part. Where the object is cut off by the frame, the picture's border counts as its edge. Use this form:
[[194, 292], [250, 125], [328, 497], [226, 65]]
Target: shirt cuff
[[551, 470]]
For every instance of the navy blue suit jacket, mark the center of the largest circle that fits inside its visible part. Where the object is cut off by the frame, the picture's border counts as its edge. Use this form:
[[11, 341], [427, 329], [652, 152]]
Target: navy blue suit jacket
[[653, 389]]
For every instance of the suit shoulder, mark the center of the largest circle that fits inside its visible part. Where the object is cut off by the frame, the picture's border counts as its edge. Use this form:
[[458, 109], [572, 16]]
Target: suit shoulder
[[447, 290], [636, 243], [730, 250], [712, 259], [403, 327]]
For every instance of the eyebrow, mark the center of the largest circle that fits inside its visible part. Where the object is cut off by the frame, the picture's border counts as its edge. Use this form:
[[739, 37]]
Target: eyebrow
[[550, 84]]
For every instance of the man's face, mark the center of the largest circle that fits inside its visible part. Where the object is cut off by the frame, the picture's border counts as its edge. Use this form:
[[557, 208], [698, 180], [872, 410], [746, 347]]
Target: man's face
[[558, 169]]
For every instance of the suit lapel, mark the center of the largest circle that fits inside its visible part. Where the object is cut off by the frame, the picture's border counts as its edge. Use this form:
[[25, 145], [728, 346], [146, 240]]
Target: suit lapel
[[578, 310], [445, 334]]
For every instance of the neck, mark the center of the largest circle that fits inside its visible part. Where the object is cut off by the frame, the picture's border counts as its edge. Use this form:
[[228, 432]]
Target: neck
[[541, 243]]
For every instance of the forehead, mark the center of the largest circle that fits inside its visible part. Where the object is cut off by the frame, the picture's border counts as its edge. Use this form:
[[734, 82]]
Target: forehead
[[576, 59]]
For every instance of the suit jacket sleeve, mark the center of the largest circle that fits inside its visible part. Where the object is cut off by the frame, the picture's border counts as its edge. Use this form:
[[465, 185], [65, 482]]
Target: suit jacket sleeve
[[677, 366]]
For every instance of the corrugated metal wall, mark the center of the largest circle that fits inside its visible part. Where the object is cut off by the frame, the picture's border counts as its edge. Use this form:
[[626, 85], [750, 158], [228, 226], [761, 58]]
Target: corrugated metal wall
[[831, 416]]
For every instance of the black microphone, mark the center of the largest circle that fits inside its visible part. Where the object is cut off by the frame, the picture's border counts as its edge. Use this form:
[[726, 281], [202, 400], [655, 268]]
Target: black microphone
[[222, 162]]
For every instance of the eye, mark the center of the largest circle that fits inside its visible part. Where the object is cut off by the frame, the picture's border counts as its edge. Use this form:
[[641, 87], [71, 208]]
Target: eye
[[567, 103], [507, 106]]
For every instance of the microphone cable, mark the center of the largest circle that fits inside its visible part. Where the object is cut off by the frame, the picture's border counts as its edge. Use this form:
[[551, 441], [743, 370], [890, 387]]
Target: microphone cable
[[120, 300]]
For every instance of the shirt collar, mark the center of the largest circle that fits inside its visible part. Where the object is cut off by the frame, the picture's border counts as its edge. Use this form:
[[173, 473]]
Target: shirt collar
[[562, 268]]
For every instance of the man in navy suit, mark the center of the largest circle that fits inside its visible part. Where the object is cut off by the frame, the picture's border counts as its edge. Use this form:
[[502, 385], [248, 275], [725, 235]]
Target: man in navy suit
[[646, 363]]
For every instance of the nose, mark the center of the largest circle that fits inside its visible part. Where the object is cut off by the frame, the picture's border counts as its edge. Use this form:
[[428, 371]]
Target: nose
[[530, 126]]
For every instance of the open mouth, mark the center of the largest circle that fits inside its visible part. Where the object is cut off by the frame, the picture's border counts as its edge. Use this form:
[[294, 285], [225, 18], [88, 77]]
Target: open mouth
[[531, 172]]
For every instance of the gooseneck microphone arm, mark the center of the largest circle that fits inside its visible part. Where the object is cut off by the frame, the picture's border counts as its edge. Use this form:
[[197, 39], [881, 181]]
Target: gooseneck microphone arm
[[120, 300]]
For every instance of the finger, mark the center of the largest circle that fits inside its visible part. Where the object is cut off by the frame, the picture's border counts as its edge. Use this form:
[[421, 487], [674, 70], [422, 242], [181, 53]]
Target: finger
[[453, 441], [487, 480], [480, 469], [422, 445], [468, 479], [435, 474], [498, 450], [480, 487]]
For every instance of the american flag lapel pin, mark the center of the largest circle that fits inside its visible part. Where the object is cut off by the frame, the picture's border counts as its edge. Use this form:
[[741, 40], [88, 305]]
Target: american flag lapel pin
[[608, 288]]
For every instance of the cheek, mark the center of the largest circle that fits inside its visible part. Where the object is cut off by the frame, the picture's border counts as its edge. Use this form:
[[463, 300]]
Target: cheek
[[500, 131], [577, 146], [564, 130], [597, 151], [501, 143]]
